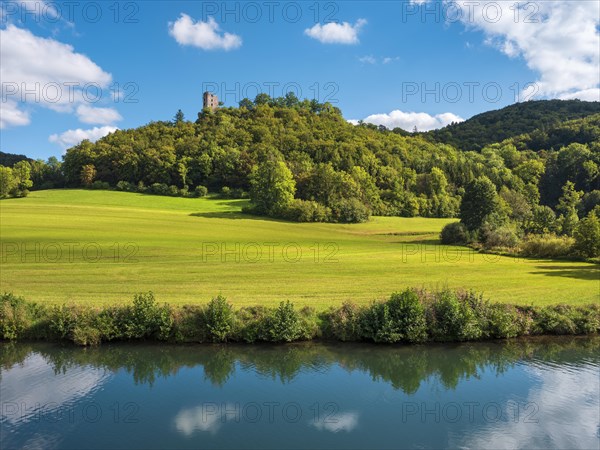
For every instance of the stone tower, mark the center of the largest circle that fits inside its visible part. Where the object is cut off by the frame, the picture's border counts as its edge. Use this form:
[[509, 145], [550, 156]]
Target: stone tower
[[210, 101]]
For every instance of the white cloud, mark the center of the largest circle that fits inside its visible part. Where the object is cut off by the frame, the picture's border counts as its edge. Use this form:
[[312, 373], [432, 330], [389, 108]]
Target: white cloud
[[370, 59], [559, 42], [336, 33], [102, 116], [590, 95], [204, 35], [367, 59], [11, 115], [45, 72], [73, 137], [345, 421], [408, 120]]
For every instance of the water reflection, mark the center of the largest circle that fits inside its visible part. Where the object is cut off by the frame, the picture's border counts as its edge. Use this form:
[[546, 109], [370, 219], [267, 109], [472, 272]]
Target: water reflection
[[536, 393]]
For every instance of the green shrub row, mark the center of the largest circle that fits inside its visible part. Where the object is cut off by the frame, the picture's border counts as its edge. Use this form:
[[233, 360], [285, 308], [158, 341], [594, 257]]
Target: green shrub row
[[410, 316]]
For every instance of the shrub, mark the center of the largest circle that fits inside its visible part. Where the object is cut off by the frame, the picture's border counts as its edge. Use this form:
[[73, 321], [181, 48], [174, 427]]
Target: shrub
[[455, 233], [502, 321], [350, 210], [284, 324], [86, 335], [146, 319], [253, 323], [126, 186], [554, 320], [501, 237], [219, 319], [62, 321], [17, 317], [587, 320], [99, 185], [173, 191], [376, 324], [200, 191], [188, 324], [344, 322], [306, 211], [408, 315], [309, 326], [452, 320], [546, 246], [158, 189], [109, 322], [235, 193]]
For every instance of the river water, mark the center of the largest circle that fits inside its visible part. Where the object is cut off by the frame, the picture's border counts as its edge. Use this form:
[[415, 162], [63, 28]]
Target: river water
[[526, 393]]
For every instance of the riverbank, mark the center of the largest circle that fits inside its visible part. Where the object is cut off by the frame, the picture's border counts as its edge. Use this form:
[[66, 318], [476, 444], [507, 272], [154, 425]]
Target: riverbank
[[411, 316]]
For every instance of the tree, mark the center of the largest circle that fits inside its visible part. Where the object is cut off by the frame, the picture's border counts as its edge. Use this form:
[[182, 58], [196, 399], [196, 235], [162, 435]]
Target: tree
[[7, 182], [183, 169], [262, 99], [543, 220], [88, 173], [587, 237], [246, 103], [567, 207], [272, 187], [179, 117], [22, 175], [479, 201]]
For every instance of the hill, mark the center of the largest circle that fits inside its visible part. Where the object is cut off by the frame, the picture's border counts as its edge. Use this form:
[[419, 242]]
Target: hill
[[520, 118], [10, 159]]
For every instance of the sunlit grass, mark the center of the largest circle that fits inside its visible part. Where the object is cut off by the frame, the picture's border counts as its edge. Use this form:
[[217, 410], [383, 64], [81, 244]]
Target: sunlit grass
[[100, 247]]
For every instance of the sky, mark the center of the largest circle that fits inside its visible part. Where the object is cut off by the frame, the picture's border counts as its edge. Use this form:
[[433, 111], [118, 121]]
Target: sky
[[81, 69]]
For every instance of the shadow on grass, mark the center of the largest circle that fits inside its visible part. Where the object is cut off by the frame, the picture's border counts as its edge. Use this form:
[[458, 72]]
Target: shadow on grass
[[582, 273], [237, 215], [418, 240]]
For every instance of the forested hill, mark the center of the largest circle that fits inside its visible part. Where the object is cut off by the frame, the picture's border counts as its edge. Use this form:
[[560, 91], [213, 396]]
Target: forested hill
[[514, 120], [10, 159]]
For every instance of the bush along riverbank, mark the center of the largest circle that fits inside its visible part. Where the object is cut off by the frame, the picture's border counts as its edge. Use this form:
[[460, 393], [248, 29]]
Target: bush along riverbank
[[410, 316]]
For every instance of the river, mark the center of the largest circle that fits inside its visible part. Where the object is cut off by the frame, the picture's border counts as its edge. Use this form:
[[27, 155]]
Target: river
[[525, 393]]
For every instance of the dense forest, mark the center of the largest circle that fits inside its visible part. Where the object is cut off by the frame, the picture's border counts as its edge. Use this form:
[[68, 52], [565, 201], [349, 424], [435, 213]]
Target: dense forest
[[302, 161], [520, 118]]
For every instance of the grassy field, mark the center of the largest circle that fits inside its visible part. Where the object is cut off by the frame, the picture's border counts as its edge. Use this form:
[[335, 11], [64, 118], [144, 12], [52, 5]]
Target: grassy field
[[100, 247]]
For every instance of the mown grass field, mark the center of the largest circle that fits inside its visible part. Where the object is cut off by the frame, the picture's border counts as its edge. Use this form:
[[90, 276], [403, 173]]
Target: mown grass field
[[101, 247]]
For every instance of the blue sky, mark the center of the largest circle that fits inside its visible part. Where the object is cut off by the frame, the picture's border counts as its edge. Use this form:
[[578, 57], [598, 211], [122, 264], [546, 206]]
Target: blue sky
[[421, 63]]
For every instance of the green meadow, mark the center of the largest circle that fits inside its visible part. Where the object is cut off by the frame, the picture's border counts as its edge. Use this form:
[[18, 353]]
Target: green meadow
[[101, 247]]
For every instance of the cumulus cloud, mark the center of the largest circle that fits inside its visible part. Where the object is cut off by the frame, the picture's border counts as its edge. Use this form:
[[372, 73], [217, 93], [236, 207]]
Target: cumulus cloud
[[409, 120], [11, 115], [204, 35], [73, 137], [336, 33], [44, 72], [101, 116], [557, 39]]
